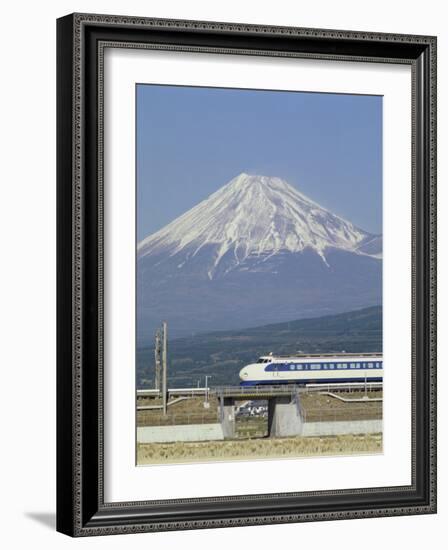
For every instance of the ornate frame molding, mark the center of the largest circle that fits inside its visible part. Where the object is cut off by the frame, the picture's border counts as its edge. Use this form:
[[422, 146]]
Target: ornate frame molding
[[81, 42]]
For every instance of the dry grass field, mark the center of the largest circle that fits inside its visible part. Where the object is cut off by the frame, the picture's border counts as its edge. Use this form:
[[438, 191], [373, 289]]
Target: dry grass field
[[188, 411], [208, 451], [320, 407]]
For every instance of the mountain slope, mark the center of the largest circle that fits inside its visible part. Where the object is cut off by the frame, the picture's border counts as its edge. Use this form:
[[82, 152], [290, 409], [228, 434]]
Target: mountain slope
[[256, 251], [253, 216]]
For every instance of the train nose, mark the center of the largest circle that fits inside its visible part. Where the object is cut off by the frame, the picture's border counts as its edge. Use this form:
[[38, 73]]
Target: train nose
[[243, 374]]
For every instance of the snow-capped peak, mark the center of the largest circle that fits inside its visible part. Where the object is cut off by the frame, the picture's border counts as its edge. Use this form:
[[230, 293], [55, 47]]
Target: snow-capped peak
[[255, 215]]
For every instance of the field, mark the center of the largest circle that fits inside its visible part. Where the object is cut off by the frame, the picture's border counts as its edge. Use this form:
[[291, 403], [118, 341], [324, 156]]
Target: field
[[258, 449], [321, 407], [188, 411]]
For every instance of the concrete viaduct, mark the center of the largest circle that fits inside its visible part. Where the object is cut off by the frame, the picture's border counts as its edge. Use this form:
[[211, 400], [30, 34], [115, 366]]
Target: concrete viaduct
[[285, 417]]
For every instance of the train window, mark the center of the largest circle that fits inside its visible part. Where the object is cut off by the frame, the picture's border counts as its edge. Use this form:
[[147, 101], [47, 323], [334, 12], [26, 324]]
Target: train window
[[340, 366], [370, 365], [291, 367], [315, 366]]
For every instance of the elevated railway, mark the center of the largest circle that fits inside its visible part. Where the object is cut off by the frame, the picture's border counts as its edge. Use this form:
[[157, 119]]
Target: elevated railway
[[286, 416], [261, 391]]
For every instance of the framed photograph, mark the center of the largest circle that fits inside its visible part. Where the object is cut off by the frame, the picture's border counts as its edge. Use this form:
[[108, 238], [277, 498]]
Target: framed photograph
[[246, 274]]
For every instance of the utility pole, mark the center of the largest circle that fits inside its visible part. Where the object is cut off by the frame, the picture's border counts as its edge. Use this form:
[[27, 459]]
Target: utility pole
[[164, 365], [157, 352], [206, 402]]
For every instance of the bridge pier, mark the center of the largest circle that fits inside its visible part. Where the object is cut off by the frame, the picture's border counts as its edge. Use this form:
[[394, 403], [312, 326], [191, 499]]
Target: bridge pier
[[227, 416], [284, 416]]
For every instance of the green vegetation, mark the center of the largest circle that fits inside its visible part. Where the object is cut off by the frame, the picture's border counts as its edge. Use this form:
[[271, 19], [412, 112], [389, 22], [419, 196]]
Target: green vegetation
[[222, 354]]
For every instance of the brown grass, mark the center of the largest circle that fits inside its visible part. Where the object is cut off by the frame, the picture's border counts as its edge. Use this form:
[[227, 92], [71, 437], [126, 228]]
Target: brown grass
[[318, 407], [188, 411], [209, 451]]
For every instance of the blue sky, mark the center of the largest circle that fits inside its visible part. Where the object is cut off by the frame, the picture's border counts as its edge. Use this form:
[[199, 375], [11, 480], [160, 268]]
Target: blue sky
[[191, 141]]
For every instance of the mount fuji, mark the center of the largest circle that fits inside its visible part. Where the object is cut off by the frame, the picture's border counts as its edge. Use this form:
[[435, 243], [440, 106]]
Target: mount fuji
[[256, 251]]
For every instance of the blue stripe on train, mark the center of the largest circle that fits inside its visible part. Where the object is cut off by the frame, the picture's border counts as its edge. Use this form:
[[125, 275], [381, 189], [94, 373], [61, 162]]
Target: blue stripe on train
[[311, 381], [335, 365]]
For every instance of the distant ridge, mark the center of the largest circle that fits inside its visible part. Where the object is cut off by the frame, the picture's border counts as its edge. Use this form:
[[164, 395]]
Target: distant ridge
[[222, 354]]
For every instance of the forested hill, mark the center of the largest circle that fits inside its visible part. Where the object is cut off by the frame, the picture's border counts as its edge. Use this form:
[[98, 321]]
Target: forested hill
[[222, 354]]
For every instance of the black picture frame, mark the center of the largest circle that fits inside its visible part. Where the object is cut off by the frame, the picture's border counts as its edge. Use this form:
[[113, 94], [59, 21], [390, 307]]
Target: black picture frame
[[81, 510]]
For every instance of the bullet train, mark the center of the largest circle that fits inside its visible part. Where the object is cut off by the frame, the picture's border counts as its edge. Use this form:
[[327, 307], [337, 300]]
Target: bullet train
[[313, 369]]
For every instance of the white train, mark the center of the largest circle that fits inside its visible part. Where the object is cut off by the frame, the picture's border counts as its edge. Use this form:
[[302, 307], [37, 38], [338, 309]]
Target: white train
[[314, 369]]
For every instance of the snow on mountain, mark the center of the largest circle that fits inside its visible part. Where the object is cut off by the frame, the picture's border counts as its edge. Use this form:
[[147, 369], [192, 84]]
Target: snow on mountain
[[253, 217], [371, 246]]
